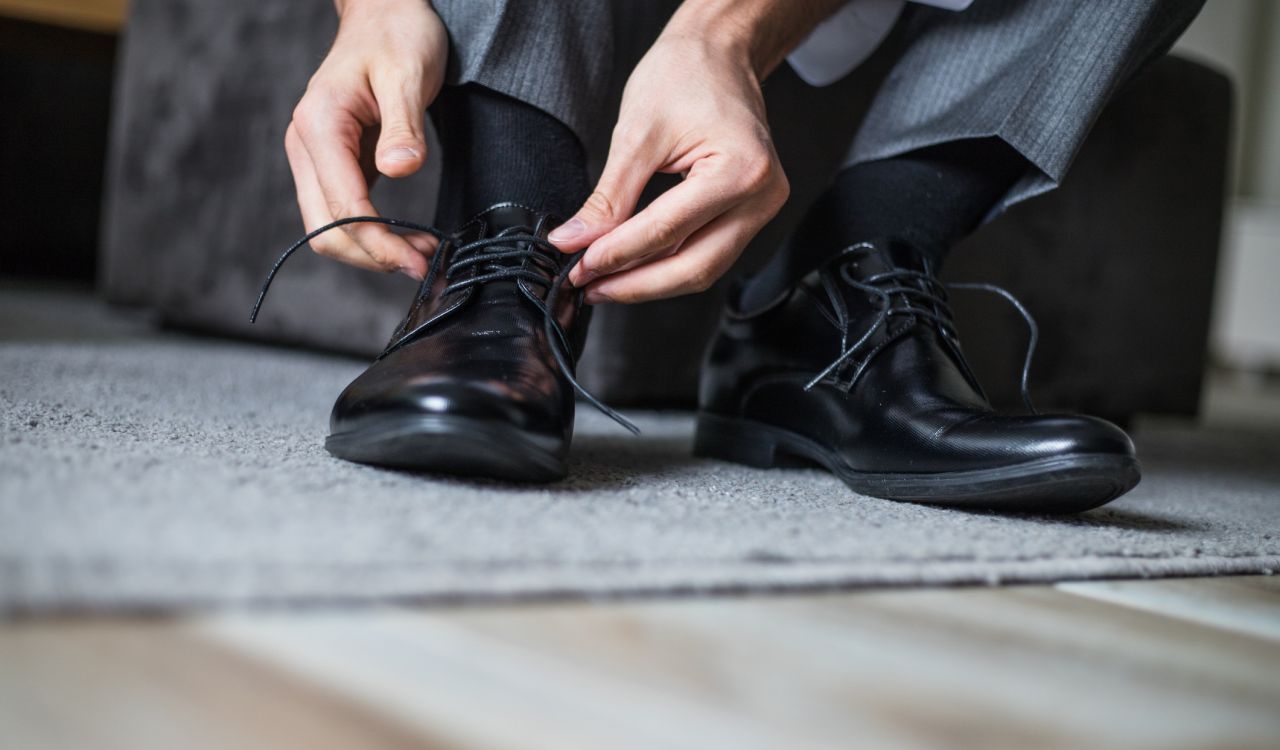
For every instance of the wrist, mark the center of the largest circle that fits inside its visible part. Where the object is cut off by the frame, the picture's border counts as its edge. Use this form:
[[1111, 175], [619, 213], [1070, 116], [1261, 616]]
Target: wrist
[[345, 6], [716, 25], [757, 33]]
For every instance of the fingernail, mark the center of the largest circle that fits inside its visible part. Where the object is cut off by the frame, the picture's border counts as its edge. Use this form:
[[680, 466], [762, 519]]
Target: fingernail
[[411, 273], [595, 297], [567, 231], [585, 276], [400, 153]]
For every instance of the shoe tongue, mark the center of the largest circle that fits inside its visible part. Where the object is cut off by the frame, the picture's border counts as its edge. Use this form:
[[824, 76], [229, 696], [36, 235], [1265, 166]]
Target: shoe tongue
[[871, 258], [504, 216], [864, 262]]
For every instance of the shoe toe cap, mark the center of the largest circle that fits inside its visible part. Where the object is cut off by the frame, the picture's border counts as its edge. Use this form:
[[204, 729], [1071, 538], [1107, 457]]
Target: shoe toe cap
[[482, 401], [1048, 436]]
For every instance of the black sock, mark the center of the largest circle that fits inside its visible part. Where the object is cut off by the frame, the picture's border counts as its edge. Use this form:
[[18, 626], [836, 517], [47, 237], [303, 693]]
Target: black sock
[[930, 198], [497, 149]]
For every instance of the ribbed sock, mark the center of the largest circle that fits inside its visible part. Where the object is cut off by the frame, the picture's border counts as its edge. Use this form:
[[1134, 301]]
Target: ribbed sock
[[930, 198], [497, 149]]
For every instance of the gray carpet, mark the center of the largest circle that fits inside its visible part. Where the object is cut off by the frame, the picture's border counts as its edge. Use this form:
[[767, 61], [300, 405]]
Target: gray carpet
[[141, 470]]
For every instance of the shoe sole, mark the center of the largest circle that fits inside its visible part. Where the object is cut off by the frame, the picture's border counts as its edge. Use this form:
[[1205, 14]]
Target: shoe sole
[[1063, 484], [449, 445]]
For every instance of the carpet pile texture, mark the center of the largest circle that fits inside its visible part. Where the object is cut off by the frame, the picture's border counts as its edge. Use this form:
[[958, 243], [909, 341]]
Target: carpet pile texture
[[142, 470]]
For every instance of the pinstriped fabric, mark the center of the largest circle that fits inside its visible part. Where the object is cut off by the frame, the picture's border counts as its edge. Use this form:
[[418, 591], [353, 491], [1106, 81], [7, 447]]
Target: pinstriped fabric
[[1035, 73], [569, 58], [533, 51]]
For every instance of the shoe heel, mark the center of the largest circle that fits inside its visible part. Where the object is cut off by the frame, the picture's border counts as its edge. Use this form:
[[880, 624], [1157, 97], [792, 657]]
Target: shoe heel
[[736, 441]]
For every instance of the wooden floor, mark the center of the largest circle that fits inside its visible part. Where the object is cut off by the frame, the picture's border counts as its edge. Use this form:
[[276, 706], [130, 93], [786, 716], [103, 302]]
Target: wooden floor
[[1191, 663]]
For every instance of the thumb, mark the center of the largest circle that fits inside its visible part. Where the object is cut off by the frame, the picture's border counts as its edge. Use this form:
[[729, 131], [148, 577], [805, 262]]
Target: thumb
[[625, 175], [402, 144]]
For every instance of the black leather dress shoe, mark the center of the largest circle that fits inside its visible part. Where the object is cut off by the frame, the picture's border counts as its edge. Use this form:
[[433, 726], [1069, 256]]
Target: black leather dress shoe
[[858, 369], [470, 382], [478, 378]]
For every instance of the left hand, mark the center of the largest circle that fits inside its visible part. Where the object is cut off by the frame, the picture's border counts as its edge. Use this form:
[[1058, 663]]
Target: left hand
[[362, 115], [692, 106]]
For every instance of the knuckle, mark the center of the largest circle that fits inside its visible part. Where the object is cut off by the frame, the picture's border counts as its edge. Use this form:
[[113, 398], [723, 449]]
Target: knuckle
[[601, 204], [398, 129], [777, 193], [662, 234], [303, 110], [700, 279], [341, 210], [606, 261], [627, 294], [628, 138], [756, 172], [398, 120], [304, 117], [326, 247], [379, 257], [782, 191], [395, 73]]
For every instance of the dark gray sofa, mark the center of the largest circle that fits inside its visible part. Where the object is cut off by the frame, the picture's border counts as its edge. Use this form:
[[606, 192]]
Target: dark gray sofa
[[1117, 265]]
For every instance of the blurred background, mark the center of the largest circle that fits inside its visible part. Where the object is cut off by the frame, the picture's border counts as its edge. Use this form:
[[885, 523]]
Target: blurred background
[[1242, 38]]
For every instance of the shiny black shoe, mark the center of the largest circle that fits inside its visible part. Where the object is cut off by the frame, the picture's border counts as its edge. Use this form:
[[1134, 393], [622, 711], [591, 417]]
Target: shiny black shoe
[[478, 378], [858, 369]]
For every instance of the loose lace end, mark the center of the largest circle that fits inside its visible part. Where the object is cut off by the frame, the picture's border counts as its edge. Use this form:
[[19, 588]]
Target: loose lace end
[[549, 321], [275, 268], [883, 317], [1033, 331]]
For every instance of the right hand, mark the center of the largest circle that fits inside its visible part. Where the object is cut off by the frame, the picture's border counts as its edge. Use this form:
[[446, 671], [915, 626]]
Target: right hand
[[363, 115], [692, 106]]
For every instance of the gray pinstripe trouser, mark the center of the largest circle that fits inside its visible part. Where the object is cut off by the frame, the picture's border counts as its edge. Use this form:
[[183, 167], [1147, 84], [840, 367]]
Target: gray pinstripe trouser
[[1035, 73]]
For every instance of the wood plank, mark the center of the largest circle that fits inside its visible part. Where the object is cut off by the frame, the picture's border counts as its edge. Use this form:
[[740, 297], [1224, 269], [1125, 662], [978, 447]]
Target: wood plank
[[1249, 605], [105, 16], [130, 685], [983, 668], [995, 668], [448, 678], [989, 668]]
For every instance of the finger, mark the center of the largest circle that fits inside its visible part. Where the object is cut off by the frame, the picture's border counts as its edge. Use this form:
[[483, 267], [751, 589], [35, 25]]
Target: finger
[[630, 166], [712, 187], [402, 144], [333, 146], [423, 243], [315, 213], [706, 256]]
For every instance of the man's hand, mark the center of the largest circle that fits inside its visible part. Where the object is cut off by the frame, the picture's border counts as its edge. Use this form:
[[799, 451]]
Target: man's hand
[[693, 106], [689, 108], [363, 114]]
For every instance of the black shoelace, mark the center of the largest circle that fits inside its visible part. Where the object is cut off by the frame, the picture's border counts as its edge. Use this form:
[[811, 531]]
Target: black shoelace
[[498, 258], [919, 296]]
